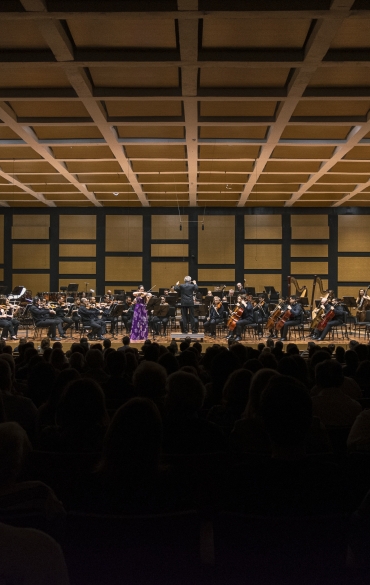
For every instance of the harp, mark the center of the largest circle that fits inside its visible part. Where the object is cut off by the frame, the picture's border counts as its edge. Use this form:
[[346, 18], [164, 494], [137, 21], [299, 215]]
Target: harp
[[317, 282], [300, 290]]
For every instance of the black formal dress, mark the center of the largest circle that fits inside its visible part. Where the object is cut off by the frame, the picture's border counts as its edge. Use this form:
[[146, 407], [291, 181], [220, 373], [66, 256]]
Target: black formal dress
[[187, 291]]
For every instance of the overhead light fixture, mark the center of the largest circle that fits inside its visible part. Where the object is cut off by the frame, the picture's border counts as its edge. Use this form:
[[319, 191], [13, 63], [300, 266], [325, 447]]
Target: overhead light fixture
[[115, 193], [228, 187]]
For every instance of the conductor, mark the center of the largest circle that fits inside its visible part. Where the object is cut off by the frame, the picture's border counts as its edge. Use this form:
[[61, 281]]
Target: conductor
[[187, 291]]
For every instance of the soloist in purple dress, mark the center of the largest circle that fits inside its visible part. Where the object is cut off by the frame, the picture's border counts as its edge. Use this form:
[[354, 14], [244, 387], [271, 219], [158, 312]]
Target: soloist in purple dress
[[139, 327]]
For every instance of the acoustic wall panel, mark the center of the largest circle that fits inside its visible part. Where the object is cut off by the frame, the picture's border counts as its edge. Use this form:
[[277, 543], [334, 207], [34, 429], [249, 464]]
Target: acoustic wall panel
[[309, 268], [353, 269], [167, 227], [124, 269], [165, 274], [1, 239], [33, 282], [30, 227], [175, 250], [124, 233], [83, 285], [217, 275], [308, 227], [309, 250], [77, 227], [77, 268], [349, 291], [259, 281], [262, 227], [354, 233], [216, 243], [261, 256], [77, 250], [1, 274], [31, 256]]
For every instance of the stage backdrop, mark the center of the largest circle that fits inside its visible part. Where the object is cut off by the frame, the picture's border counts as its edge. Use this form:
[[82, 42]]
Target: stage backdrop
[[99, 249]]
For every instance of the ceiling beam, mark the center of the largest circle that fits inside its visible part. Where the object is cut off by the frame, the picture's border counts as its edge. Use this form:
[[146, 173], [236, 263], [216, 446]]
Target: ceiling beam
[[82, 85], [188, 40], [315, 50]]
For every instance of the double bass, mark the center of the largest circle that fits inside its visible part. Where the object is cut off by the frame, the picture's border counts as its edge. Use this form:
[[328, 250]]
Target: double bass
[[274, 315], [362, 306]]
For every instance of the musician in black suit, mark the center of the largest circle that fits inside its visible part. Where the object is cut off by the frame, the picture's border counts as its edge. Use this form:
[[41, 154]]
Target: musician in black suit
[[246, 319], [44, 317], [90, 318], [296, 315], [338, 319], [187, 291], [216, 316]]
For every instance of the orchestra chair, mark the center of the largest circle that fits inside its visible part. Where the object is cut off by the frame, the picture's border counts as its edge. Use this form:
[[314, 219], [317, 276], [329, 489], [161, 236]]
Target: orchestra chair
[[171, 325], [251, 329], [153, 548], [280, 549], [299, 328], [342, 328], [84, 330], [363, 325], [37, 329]]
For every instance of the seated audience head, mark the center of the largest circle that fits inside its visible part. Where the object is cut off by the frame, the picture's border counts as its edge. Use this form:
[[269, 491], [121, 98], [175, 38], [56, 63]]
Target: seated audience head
[[41, 379], [151, 352], [125, 340], [339, 354], [329, 374], [185, 395], [82, 405], [240, 351], [116, 363], [169, 362], [268, 360], [6, 381], [150, 380], [258, 384], [77, 361], [351, 359], [362, 352], [107, 343], [58, 359], [14, 448], [292, 349], [253, 365], [286, 411], [94, 359], [133, 441], [235, 393]]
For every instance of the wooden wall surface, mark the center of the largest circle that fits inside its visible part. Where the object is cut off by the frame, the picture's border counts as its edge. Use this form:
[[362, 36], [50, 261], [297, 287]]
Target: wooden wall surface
[[119, 249]]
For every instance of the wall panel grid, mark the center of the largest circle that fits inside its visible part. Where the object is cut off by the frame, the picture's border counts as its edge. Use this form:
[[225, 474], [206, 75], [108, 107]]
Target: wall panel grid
[[83, 285], [311, 268], [124, 233], [309, 250], [77, 227], [77, 250], [216, 275], [261, 256], [308, 227], [354, 233], [30, 227], [262, 227], [166, 274], [2, 241], [124, 269], [167, 250], [26, 256], [167, 227], [216, 243], [353, 269], [77, 267], [259, 281], [33, 282]]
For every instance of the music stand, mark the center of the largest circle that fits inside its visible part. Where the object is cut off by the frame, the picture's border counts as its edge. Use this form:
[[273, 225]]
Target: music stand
[[72, 287], [250, 290], [116, 312], [119, 292]]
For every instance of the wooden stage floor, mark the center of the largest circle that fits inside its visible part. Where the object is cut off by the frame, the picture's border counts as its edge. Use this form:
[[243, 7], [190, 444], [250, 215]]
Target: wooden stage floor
[[206, 342]]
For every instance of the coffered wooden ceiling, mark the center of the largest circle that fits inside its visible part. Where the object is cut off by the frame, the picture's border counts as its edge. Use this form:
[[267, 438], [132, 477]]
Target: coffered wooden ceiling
[[190, 102]]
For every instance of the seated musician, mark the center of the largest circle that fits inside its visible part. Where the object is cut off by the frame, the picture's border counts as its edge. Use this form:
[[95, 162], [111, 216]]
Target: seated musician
[[9, 324], [74, 313], [246, 318], [44, 317], [127, 313], [90, 318], [61, 312], [107, 317], [260, 311], [160, 318], [215, 317], [296, 311], [239, 289], [362, 304], [337, 319]]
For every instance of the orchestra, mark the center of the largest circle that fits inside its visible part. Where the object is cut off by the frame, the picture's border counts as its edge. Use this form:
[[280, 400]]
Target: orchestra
[[224, 311]]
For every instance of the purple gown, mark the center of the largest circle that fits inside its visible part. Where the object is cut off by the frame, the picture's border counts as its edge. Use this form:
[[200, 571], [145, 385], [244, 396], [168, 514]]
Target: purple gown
[[139, 327]]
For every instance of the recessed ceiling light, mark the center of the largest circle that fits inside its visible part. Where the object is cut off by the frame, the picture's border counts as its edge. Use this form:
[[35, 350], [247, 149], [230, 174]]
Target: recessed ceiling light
[[115, 193]]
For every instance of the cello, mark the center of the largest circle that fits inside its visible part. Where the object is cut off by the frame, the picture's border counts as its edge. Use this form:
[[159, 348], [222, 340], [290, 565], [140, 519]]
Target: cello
[[274, 315], [234, 317]]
